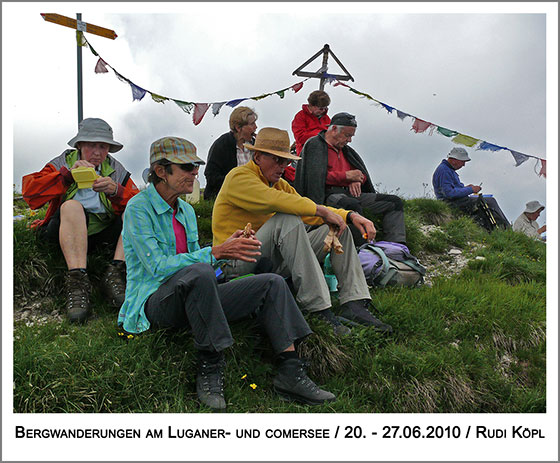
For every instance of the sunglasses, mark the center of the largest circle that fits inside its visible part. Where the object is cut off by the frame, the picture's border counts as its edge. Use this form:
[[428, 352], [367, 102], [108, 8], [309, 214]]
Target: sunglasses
[[282, 162], [187, 167]]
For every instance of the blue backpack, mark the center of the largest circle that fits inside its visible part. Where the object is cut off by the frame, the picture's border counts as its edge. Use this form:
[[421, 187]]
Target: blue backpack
[[390, 264]]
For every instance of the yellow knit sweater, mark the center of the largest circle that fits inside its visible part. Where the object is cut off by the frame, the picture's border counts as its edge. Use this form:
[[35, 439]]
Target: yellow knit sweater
[[246, 196]]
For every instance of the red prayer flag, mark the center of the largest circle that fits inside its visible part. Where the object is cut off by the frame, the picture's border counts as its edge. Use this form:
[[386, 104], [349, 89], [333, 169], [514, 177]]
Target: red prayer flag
[[543, 168], [100, 66], [199, 112], [297, 87], [420, 126]]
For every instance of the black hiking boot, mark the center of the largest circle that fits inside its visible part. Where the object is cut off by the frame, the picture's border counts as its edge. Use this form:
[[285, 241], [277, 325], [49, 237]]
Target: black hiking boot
[[114, 283], [78, 288], [328, 316], [356, 312], [210, 380], [292, 383]]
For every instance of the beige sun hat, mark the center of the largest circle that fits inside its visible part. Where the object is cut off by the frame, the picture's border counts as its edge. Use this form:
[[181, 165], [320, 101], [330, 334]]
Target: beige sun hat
[[96, 130], [273, 141], [533, 206]]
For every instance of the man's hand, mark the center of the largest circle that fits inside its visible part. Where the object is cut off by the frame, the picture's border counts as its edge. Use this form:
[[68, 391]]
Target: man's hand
[[541, 230], [366, 227], [355, 189], [105, 185], [355, 175], [330, 218], [475, 188], [239, 248], [82, 163]]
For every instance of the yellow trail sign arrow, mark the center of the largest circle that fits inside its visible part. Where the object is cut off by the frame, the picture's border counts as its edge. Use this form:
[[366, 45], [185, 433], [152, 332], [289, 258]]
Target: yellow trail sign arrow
[[84, 27]]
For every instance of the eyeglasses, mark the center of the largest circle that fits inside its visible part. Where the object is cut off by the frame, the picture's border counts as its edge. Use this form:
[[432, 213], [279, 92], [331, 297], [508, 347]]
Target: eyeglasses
[[188, 167], [282, 162]]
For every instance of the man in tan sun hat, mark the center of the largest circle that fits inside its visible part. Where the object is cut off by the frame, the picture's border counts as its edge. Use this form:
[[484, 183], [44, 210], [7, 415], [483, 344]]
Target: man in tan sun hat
[[527, 221], [81, 219], [292, 230]]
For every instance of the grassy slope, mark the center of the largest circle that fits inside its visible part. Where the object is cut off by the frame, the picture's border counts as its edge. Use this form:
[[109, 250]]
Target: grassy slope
[[471, 343]]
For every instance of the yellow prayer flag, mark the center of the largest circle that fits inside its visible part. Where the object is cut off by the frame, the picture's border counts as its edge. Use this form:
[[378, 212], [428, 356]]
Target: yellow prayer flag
[[465, 140]]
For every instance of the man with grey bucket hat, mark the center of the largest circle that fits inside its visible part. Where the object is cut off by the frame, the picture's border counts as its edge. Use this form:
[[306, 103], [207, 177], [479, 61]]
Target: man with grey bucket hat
[[448, 187], [527, 221], [84, 216], [173, 282]]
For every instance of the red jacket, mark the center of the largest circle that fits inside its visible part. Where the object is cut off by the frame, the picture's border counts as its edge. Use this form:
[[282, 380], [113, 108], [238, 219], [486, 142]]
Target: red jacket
[[51, 182], [305, 125]]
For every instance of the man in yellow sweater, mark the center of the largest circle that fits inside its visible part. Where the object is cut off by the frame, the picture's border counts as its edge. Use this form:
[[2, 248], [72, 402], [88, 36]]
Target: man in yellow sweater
[[291, 230]]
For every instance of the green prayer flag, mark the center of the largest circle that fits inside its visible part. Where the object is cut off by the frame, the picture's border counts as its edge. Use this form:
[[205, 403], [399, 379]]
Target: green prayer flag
[[447, 132], [280, 93]]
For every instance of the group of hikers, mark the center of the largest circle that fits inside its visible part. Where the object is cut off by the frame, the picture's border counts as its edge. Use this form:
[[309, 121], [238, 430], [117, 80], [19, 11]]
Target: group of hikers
[[275, 205]]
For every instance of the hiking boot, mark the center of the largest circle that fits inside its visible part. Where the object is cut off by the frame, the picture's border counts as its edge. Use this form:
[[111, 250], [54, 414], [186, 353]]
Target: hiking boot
[[78, 289], [357, 312], [292, 383], [210, 381], [114, 283], [328, 316]]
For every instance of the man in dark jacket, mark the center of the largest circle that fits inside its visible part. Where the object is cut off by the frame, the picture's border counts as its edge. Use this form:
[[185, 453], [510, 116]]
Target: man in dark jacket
[[228, 151], [332, 173]]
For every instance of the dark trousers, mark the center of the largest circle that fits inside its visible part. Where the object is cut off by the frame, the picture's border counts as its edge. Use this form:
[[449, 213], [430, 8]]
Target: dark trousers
[[390, 206], [472, 206], [193, 298]]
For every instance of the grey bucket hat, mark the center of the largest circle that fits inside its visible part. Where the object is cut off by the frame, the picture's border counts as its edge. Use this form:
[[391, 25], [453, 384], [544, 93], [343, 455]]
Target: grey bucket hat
[[459, 154], [533, 206], [93, 129]]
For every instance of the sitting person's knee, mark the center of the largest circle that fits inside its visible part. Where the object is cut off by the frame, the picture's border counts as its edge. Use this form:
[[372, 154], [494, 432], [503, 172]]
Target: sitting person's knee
[[71, 206]]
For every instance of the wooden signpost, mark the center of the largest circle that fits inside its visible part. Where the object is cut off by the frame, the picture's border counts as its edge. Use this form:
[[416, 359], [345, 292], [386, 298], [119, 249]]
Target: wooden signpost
[[322, 71], [79, 26]]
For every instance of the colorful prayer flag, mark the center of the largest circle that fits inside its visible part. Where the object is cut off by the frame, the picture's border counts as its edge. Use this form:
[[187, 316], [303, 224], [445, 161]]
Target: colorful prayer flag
[[387, 107], [446, 132], [297, 87], [520, 158], [216, 107], [234, 103], [100, 66], [137, 92], [185, 105], [490, 147], [402, 115], [158, 98], [280, 93], [465, 140], [199, 112], [420, 126], [543, 168]]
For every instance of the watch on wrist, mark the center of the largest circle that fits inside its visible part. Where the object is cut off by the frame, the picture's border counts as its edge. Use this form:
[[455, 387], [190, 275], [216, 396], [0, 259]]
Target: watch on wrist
[[349, 217]]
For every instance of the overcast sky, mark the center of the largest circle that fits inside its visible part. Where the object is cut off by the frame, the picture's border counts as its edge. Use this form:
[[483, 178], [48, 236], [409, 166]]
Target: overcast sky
[[479, 73]]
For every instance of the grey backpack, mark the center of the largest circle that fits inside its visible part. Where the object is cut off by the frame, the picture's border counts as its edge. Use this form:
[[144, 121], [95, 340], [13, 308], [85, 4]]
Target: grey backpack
[[390, 264]]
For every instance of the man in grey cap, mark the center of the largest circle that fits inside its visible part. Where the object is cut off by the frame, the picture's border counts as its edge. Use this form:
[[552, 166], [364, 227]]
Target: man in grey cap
[[449, 188], [82, 218], [332, 173], [527, 221]]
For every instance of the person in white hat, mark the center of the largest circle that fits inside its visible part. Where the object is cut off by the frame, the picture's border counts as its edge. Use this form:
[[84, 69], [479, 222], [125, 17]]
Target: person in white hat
[[292, 230], [82, 219], [527, 221], [449, 188]]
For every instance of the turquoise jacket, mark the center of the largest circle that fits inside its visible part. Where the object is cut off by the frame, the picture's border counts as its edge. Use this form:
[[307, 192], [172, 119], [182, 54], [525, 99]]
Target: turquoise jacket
[[149, 249]]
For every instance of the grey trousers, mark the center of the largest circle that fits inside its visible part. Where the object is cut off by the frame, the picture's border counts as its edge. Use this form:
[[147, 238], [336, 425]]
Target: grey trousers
[[298, 253], [390, 206], [192, 298]]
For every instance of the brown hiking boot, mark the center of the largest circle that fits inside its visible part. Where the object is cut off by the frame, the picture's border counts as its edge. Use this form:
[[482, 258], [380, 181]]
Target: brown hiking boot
[[78, 289], [114, 283]]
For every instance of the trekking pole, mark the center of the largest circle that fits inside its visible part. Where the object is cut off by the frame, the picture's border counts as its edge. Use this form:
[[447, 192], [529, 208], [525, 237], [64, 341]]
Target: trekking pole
[[487, 211]]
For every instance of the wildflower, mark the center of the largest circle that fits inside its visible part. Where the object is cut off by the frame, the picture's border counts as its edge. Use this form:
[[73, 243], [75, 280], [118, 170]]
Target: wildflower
[[244, 376], [254, 386]]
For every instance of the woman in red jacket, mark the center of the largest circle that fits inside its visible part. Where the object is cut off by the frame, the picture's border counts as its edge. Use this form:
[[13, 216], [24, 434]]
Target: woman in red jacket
[[308, 122]]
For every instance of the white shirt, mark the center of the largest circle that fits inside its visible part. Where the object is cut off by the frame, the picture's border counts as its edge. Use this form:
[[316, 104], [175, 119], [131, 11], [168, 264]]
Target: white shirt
[[243, 156]]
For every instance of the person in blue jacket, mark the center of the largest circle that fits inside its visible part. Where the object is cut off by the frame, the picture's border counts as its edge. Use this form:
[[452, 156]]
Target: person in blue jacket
[[448, 187]]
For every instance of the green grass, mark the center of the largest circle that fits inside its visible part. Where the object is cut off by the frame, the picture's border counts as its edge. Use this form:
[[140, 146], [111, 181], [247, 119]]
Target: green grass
[[468, 344]]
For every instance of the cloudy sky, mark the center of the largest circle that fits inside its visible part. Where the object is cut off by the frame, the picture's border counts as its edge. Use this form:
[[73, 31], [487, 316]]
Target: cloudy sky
[[480, 72]]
